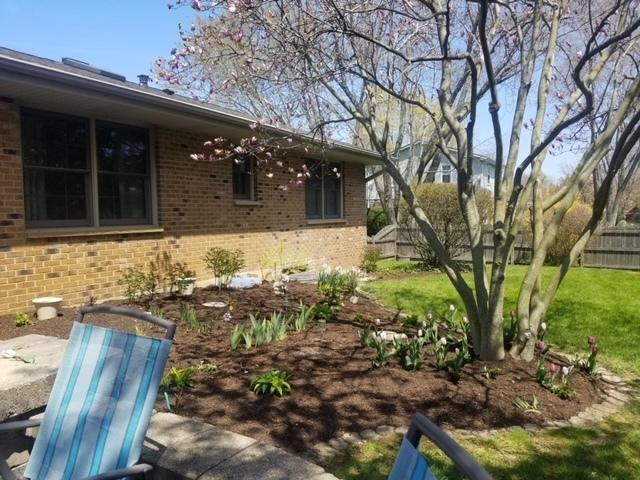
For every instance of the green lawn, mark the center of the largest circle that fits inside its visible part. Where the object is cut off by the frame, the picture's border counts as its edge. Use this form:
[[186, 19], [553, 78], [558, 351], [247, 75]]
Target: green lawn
[[591, 302]]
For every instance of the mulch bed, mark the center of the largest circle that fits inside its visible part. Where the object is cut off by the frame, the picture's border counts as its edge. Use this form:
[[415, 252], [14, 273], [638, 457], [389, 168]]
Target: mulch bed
[[335, 388]]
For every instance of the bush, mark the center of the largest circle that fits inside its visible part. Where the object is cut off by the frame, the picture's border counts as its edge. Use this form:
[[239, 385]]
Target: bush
[[276, 382], [138, 283], [224, 264], [370, 259], [376, 220], [574, 221], [440, 203]]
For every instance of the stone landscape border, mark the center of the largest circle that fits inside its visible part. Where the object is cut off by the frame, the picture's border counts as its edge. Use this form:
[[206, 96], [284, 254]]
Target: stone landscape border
[[617, 393]]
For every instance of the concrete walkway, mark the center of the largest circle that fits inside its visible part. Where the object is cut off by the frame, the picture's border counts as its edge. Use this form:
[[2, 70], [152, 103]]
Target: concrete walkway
[[181, 448]]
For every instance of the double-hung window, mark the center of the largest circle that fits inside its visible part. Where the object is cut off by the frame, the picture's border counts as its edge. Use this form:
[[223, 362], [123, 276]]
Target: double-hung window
[[323, 192], [80, 172]]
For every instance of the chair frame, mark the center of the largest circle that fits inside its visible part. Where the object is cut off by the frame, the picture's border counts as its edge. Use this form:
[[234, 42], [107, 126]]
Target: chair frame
[[466, 464], [136, 470]]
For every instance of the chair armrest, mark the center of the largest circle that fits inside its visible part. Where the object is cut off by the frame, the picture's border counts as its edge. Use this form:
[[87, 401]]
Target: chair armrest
[[19, 425], [138, 469], [465, 463]]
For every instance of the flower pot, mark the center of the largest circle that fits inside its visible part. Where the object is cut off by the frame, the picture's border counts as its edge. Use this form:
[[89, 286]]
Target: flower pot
[[47, 307], [189, 286]]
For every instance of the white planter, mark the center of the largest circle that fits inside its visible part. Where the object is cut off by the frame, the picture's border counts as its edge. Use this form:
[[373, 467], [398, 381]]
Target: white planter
[[190, 284], [47, 307]]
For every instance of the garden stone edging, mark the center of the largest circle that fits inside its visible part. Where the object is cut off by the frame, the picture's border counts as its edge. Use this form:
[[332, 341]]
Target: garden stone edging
[[616, 391]]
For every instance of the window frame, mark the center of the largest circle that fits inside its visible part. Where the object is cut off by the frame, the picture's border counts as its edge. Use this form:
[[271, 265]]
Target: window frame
[[323, 217], [93, 222]]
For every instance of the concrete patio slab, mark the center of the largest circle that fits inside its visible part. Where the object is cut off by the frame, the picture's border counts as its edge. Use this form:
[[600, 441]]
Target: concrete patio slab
[[26, 386], [265, 462]]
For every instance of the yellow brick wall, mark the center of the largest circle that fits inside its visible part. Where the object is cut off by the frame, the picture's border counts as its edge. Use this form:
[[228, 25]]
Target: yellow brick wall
[[196, 211]]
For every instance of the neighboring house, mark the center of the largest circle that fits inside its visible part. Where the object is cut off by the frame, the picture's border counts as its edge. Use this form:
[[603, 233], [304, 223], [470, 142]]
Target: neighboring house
[[439, 170], [96, 176]]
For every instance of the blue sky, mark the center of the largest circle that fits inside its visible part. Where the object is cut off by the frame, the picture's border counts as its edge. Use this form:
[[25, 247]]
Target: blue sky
[[126, 37]]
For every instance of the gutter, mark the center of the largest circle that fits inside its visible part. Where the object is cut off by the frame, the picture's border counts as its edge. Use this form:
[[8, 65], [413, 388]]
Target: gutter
[[151, 98]]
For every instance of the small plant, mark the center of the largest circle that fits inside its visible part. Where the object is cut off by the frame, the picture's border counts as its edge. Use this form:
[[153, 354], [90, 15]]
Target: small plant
[[157, 311], [237, 337], [179, 277], [334, 284], [528, 407], [23, 319], [411, 353], [224, 264], [589, 364], [368, 336], [303, 318], [140, 331], [276, 382], [370, 259], [383, 354], [138, 283], [189, 316], [277, 326], [207, 367], [178, 380], [491, 373], [175, 383], [410, 321], [456, 364], [324, 312], [440, 349], [512, 330]]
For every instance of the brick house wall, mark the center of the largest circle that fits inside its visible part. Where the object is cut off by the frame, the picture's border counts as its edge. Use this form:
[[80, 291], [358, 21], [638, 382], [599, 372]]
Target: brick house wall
[[196, 211]]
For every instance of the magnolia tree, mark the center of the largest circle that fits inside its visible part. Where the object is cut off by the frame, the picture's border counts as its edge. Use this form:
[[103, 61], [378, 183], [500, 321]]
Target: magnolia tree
[[322, 65]]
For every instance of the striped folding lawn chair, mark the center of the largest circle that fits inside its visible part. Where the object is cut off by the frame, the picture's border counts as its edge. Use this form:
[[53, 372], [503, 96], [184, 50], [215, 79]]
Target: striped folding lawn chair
[[411, 465], [100, 405]]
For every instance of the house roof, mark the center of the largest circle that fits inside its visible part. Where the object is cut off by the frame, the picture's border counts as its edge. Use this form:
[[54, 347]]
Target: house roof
[[43, 83], [480, 157]]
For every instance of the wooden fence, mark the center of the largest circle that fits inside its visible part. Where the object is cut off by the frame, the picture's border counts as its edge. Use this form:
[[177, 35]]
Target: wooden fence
[[611, 248]]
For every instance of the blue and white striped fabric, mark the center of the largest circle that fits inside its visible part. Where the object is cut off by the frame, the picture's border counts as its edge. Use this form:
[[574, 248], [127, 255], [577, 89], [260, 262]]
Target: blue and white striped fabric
[[410, 465], [100, 405]]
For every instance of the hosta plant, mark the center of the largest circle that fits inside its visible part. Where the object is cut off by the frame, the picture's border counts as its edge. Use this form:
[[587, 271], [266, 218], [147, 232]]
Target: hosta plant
[[23, 319], [276, 382]]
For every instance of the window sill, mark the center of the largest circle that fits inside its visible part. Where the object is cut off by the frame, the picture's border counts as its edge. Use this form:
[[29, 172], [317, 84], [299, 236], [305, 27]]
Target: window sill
[[325, 221], [89, 231], [248, 203]]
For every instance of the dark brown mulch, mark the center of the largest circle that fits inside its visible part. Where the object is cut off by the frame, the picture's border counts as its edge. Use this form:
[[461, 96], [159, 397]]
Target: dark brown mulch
[[335, 387]]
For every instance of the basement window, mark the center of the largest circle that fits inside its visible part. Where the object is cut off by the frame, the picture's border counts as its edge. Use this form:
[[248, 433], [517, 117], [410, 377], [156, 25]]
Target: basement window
[[80, 172], [243, 178]]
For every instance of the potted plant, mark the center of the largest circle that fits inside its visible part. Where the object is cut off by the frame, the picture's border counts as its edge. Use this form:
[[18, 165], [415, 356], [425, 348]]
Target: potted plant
[[47, 307], [182, 280]]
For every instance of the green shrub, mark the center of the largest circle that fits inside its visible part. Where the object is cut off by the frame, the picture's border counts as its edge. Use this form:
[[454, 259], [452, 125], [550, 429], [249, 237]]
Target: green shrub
[[179, 277], [376, 220], [224, 264], [138, 283], [440, 204], [23, 319], [573, 223], [276, 382], [370, 259], [324, 312]]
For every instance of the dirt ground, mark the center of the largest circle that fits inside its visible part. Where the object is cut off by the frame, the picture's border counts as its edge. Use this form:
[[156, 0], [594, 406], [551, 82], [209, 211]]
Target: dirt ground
[[335, 388]]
